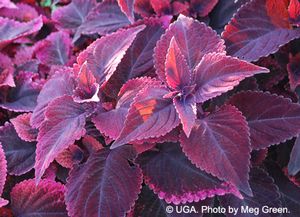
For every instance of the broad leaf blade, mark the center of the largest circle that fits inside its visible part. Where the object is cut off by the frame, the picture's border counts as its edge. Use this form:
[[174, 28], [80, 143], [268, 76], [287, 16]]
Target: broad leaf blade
[[175, 179], [65, 121], [258, 29], [50, 202], [218, 73], [217, 142], [23, 128], [127, 8], [150, 115], [272, 119], [106, 185]]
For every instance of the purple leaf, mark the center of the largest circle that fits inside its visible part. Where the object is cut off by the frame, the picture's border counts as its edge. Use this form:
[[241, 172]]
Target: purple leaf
[[19, 154], [7, 4], [23, 128], [70, 156], [24, 96], [218, 73], [194, 40], [187, 111], [143, 7], [289, 192], [106, 185], [272, 119], [3, 171], [178, 74], [127, 8], [138, 59], [203, 7], [265, 193], [23, 12], [293, 68], [258, 29], [87, 88], [150, 115], [64, 123], [111, 123], [6, 71], [11, 30], [62, 83], [55, 49], [217, 142], [294, 163], [50, 201], [175, 179], [105, 18], [109, 49]]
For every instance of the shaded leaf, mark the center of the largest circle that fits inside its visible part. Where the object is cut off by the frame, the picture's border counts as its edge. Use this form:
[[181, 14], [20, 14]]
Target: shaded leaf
[[293, 68], [150, 115], [127, 8], [294, 163], [3, 171], [203, 7], [6, 71], [265, 193], [50, 201], [64, 123], [71, 156], [259, 28], [217, 142], [272, 119], [175, 179], [19, 154], [107, 176]]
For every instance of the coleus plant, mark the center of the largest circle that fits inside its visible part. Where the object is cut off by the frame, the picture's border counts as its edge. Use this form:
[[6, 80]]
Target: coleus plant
[[119, 108]]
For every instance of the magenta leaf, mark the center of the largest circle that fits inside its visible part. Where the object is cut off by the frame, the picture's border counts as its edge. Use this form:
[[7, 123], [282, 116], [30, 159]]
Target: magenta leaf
[[272, 119], [175, 179], [217, 74], [178, 74], [149, 205], [7, 4], [111, 123], [50, 201], [61, 83], [293, 68], [194, 40], [11, 30], [6, 71], [24, 96], [87, 88], [23, 12], [3, 171], [19, 154], [258, 29], [294, 12], [64, 123], [150, 115], [109, 49], [106, 185], [127, 8], [294, 163], [187, 111], [23, 128], [265, 193], [138, 59], [55, 49], [217, 142]]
